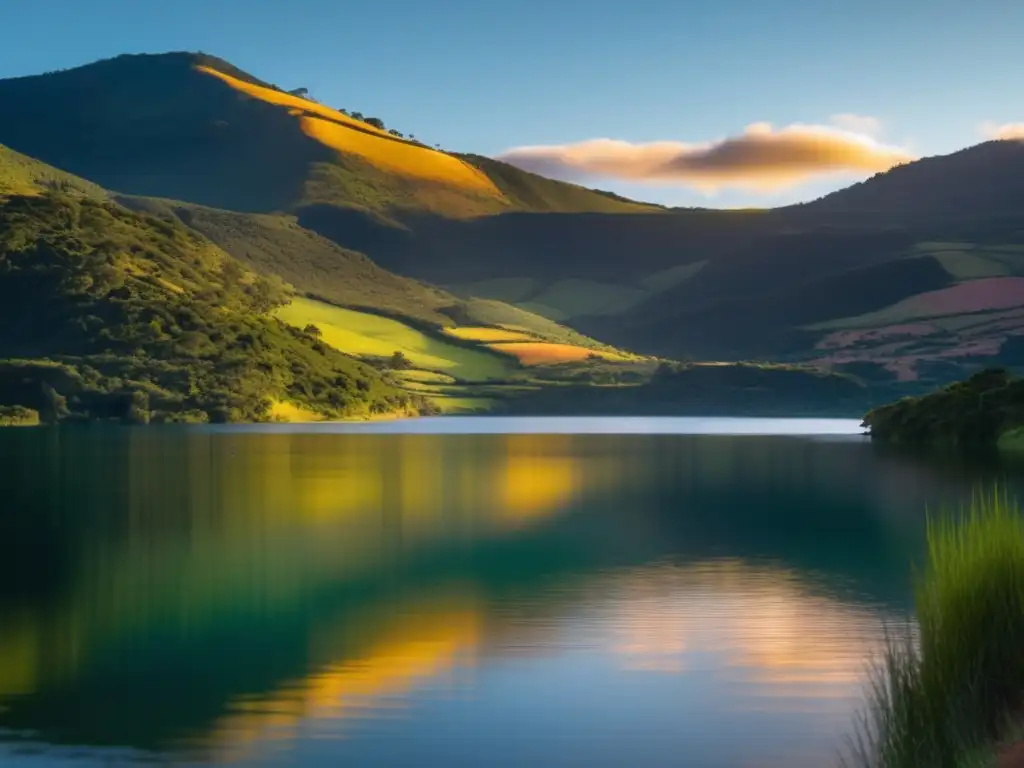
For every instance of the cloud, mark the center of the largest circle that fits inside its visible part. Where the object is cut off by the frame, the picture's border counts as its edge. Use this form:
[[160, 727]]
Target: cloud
[[862, 124], [1005, 131], [760, 159]]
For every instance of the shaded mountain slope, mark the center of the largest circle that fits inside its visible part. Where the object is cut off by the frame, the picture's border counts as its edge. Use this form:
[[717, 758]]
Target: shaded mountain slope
[[981, 180], [275, 244], [23, 175], [194, 128]]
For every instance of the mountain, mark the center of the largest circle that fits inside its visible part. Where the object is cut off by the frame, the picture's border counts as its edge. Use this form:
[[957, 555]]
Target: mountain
[[192, 127], [910, 278]]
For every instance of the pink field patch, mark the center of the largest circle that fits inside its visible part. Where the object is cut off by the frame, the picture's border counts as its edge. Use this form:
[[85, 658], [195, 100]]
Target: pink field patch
[[975, 296], [841, 339]]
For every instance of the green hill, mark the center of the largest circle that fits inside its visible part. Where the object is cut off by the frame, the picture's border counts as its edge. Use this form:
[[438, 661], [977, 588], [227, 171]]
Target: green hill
[[110, 313]]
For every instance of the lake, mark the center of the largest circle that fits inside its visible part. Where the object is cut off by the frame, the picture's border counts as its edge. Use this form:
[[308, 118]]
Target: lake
[[498, 592]]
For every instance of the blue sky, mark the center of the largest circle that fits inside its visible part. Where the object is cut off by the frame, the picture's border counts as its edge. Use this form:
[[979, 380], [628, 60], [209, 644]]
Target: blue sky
[[485, 77]]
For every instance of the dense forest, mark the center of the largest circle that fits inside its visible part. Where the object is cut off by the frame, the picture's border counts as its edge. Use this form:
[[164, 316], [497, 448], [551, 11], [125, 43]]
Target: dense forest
[[114, 314], [985, 410]]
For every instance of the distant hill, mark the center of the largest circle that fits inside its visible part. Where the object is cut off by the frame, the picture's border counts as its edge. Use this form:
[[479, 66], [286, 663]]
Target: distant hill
[[982, 180]]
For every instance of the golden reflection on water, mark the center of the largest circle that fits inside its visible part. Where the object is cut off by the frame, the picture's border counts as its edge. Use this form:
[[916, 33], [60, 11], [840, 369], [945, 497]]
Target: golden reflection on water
[[423, 640], [773, 632]]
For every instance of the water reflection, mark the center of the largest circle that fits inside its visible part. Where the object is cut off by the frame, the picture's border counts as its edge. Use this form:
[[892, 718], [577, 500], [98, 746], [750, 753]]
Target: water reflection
[[244, 595]]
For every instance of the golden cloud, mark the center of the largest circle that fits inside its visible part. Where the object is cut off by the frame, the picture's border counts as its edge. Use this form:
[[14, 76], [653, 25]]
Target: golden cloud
[[1004, 131], [762, 158]]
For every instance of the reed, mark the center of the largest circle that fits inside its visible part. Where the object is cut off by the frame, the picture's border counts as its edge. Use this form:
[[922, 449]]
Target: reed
[[940, 695]]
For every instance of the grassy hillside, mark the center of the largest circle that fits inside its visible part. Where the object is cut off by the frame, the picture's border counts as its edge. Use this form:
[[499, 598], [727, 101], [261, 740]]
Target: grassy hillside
[[364, 334], [22, 175], [194, 128], [275, 244], [115, 314]]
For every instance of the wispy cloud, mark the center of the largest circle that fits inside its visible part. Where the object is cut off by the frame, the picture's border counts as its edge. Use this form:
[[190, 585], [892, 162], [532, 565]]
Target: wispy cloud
[[762, 158], [1002, 131], [862, 124]]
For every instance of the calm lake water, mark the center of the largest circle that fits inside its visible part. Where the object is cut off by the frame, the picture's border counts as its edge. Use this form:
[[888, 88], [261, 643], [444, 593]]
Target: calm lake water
[[563, 592]]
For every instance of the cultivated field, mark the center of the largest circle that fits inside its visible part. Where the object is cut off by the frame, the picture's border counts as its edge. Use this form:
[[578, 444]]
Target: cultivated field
[[368, 335], [485, 334], [540, 353]]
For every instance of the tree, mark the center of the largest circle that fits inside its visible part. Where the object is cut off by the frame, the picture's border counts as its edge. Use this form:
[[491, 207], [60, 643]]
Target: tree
[[312, 330], [393, 132], [399, 362], [300, 92], [356, 115], [376, 122]]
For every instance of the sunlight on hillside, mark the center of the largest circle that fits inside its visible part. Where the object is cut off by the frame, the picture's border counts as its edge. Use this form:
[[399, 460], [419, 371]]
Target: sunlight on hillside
[[479, 333], [281, 410], [540, 353], [362, 333], [346, 134], [399, 156]]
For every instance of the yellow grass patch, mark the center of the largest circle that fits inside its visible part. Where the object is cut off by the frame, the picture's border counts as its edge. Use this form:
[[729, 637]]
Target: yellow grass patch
[[481, 333], [172, 287], [346, 134], [399, 156], [540, 353], [281, 410]]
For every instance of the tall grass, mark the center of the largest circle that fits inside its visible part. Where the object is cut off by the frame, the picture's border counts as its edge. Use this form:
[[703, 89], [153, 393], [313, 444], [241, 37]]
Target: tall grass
[[937, 698]]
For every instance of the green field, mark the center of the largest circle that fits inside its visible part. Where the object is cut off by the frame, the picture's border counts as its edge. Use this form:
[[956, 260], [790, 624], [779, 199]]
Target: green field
[[500, 314], [424, 377], [970, 261], [575, 297], [453, 405], [367, 335]]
